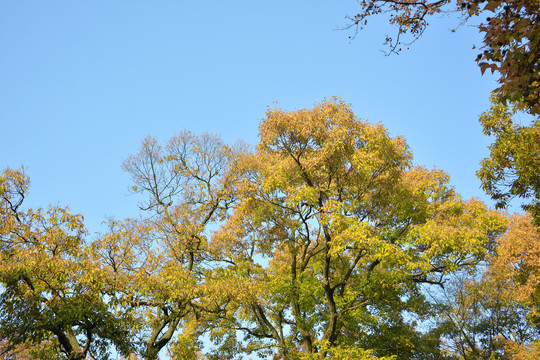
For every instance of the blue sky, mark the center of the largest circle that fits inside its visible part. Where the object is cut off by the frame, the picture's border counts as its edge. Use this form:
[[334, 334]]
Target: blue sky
[[83, 82]]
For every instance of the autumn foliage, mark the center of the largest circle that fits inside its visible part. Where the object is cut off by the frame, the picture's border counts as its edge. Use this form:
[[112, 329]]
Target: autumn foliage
[[511, 50], [323, 241]]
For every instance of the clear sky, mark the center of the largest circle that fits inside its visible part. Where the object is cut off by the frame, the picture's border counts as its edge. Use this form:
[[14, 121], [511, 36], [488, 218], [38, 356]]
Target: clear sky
[[83, 82]]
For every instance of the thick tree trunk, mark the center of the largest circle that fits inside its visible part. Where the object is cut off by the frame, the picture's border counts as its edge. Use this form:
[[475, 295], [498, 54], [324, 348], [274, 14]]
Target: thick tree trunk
[[70, 345]]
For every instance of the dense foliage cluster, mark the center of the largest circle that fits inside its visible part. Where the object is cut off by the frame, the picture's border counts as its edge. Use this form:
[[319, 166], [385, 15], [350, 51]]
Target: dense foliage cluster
[[324, 241]]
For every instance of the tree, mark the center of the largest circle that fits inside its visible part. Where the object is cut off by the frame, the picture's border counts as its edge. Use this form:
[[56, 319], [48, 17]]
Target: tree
[[494, 313], [138, 285], [480, 318], [51, 296], [336, 237], [518, 263], [321, 243], [142, 284], [158, 266], [511, 48], [512, 170]]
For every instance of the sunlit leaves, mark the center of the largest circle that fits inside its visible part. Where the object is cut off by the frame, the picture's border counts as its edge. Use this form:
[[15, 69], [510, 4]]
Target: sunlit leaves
[[512, 168], [189, 185], [51, 290], [511, 48], [518, 261], [495, 313], [319, 243], [346, 228]]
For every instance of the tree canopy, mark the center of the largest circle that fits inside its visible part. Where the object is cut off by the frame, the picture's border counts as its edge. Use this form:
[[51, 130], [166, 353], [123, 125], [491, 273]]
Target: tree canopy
[[52, 294], [352, 232], [323, 241], [512, 170]]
